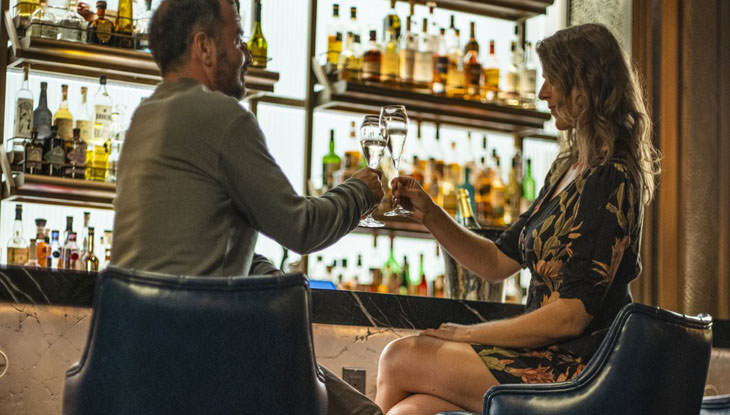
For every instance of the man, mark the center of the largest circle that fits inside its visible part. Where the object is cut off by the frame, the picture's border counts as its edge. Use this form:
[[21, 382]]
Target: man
[[196, 181]]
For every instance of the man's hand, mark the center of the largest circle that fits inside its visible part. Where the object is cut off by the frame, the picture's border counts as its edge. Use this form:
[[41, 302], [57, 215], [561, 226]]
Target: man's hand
[[411, 196], [450, 331], [371, 178]]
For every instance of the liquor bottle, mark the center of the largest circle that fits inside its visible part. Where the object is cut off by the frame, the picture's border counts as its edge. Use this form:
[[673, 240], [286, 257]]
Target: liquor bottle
[[100, 31], [512, 78], [497, 193], [83, 118], [348, 64], [353, 26], [490, 87], [466, 214], [331, 162], [422, 289], [17, 245], [391, 22], [357, 47], [72, 24], [405, 279], [391, 270], [360, 272], [408, 47], [41, 244], [418, 173], [352, 153], [469, 187], [32, 261], [472, 67], [24, 108], [54, 155], [54, 261], [42, 117], [389, 63], [71, 253], [528, 184], [142, 28], [469, 158], [441, 66], [76, 157], [124, 26], [43, 22], [24, 11], [455, 76], [483, 193], [334, 37], [513, 194], [85, 235], [34, 154], [69, 228], [97, 165], [16, 153], [63, 118], [115, 148], [91, 262], [453, 165], [423, 72], [371, 60], [257, 44], [529, 79]]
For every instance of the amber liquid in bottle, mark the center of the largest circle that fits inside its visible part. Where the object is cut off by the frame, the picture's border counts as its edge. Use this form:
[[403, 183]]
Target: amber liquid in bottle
[[101, 30]]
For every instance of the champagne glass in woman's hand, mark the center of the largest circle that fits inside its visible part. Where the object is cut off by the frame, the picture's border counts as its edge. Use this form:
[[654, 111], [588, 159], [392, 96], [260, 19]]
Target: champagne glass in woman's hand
[[394, 120], [373, 147]]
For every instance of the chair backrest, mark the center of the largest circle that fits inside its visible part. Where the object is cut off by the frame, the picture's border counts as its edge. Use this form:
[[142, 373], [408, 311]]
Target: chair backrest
[[716, 405], [651, 361], [178, 345]]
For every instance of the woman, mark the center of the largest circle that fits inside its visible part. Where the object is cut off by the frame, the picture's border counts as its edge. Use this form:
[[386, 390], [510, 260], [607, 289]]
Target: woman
[[580, 240]]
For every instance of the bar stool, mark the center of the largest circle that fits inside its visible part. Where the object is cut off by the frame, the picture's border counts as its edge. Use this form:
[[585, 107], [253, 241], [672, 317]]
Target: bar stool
[[716, 405], [651, 361], [161, 344]]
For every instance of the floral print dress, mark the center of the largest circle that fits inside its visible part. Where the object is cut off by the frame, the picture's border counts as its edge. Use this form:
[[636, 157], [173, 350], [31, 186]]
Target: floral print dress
[[582, 242]]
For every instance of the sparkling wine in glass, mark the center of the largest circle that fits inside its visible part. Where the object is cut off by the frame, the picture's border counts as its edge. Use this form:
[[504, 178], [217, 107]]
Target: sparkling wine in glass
[[373, 147], [394, 120]]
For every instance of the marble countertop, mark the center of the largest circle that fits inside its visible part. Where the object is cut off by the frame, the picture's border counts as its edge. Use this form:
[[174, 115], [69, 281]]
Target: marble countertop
[[353, 308]]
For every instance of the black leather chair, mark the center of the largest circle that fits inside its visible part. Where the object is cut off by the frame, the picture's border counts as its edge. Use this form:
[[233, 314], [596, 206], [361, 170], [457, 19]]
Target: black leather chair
[[716, 405], [181, 345], [651, 361]]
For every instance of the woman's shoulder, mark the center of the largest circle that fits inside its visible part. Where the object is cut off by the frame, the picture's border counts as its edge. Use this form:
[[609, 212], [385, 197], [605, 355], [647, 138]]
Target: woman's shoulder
[[611, 173]]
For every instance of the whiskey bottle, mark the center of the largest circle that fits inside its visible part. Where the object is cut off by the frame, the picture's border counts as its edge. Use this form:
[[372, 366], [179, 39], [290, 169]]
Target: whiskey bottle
[[371, 60], [24, 108], [490, 87], [257, 44], [42, 116], [407, 55], [124, 27], [391, 22], [72, 24], [34, 154], [334, 37], [423, 72], [472, 67], [100, 31], [389, 63], [91, 262], [62, 118], [441, 66], [331, 162], [17, 245]]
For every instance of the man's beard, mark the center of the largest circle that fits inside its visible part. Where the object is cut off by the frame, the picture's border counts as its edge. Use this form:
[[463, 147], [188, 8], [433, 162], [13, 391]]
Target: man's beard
[[225, 78]]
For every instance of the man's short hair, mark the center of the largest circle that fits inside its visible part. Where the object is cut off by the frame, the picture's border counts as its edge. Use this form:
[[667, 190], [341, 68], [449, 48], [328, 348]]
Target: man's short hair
[[173, 26]]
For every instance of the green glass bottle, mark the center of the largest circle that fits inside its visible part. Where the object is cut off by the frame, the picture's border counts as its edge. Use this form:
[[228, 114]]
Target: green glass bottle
[[331, 162], [391, 270], [528, 184], [257, 44], [405, 281]]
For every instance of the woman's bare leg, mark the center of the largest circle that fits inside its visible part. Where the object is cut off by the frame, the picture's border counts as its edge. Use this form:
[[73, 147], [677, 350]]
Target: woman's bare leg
[[447, 370], [422, 404]]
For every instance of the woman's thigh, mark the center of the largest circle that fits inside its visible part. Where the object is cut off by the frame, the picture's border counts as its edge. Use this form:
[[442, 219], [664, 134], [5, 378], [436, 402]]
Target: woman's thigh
[[445, 369]]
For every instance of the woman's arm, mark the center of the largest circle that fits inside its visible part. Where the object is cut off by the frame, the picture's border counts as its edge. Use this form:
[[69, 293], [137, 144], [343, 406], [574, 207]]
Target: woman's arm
[[550, 324], [478, 254]]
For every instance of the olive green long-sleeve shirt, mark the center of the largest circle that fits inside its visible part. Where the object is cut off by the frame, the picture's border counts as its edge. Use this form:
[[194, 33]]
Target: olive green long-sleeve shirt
[[196, 184]]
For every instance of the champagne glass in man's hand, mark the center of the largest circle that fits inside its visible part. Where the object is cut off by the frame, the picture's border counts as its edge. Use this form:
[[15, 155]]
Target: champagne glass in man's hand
[[394, 120], [373, 147]]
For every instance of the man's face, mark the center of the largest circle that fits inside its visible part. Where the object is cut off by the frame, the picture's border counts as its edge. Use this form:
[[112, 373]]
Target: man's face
[[233, 56]]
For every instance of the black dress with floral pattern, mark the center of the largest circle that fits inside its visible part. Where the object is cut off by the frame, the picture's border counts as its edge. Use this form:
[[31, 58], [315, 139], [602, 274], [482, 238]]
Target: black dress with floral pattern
[[583, 243]]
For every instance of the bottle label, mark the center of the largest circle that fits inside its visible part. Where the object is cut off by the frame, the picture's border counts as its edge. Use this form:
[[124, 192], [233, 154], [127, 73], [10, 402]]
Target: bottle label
[[407, 59], [77, 155], [56, 156], [33, 158], [442, 65], [102, 122], [475, 74], [329, 170], [424, 67], [86, 128], [371, 69], [65, 128], [17, 256], [23, 117], [513, 82], [104, 29]]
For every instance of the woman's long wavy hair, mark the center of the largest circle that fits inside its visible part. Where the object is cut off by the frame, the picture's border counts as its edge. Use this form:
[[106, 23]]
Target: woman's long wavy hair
[[603, 100]]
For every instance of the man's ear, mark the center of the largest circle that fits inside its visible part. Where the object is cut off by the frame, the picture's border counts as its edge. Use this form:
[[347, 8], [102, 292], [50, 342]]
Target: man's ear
[[203, 49]]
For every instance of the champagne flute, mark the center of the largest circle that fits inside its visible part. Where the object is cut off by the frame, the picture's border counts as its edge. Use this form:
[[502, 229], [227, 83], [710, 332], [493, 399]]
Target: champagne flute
[[395, 122], [373, 147]]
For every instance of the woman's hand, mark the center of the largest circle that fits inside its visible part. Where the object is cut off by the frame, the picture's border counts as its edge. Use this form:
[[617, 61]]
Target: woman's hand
[[411, 196], [450, 331]]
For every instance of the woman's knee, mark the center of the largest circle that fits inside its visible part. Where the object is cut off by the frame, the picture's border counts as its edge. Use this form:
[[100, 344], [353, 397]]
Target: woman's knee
[[404, 356]]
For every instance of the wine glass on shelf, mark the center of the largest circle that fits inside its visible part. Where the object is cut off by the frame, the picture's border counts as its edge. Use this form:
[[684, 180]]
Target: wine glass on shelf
[[373, 144], [394, 120]]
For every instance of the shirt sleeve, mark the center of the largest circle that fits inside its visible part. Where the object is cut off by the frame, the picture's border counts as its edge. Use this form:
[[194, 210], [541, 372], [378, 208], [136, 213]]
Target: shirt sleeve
[[260, 191], [260, 265], [602, 231]]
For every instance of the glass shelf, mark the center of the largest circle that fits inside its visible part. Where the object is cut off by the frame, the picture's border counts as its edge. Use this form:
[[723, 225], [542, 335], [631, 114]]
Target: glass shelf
[[34, 188], [502, 9]]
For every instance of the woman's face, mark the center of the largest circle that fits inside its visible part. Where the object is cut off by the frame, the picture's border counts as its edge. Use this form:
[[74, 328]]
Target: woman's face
[[553, 97]]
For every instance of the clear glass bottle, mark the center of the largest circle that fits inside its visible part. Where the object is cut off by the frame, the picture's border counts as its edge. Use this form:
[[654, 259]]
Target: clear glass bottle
[[72, 25], [529, 79], [423, 72], [142, 28], [63, 119], [43, 22], [84, 115], [334, 36], [389, 64], [391, 22], [71, 253], [124, 25], [23, 124], [455, 76], [113, 161], [257, 44], [102, 113], [490, 87], [348, 63], [91, 262], [513, 77], [407, 55], [54, 260], [17, 245], [42, 116]]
